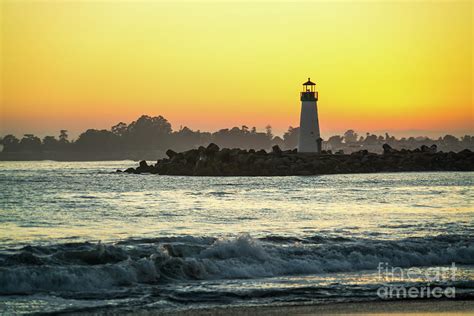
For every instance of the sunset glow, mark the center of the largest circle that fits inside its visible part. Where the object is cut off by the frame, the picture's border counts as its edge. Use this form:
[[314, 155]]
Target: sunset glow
[[391, 66]]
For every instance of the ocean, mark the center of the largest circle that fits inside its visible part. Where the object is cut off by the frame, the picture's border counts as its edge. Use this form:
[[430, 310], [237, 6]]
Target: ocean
[[78, 237]]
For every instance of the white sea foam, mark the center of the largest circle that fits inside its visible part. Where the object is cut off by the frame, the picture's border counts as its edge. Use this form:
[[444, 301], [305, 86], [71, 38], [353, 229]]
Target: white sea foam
[[240, 257]]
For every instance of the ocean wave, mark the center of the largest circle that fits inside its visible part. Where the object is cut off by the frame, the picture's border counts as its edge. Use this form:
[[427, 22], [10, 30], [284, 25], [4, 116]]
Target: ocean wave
[[96, 266]]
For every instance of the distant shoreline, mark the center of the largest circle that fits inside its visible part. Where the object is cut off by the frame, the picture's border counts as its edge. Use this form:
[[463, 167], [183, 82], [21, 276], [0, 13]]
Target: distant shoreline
[[81, 156]]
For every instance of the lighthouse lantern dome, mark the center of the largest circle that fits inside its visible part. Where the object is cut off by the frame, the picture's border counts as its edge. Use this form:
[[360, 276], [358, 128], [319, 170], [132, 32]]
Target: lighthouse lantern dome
[[309, 86], [309, 92]]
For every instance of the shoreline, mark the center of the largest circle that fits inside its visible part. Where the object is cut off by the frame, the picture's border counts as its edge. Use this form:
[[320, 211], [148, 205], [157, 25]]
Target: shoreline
[[424, 307]]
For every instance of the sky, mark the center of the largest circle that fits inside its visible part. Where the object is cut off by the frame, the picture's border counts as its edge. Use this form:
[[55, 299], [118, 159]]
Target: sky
[[396, 66]]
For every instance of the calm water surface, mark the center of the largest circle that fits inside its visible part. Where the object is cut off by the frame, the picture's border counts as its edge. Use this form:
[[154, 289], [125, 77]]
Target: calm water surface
[[76, 236]]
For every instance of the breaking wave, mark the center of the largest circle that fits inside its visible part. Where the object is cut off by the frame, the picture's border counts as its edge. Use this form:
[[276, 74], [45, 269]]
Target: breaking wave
[[77, 267]]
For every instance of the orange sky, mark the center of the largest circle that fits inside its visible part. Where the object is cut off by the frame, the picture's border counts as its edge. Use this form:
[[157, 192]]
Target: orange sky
[[395, 66]]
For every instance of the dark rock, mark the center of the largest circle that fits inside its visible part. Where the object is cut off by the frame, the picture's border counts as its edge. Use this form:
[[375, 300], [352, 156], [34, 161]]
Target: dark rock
[[425, 149], [212, 161], [360, 153], [191, 155], [276, 149], [143, 164], [243, 159], [130, 170], [387, 149], [212, 149], [171, 153], [224, 155], [178, 157], [259, 162], [144, 167]]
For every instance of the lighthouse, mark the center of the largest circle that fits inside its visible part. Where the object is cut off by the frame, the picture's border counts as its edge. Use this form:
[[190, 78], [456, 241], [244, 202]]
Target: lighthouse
[[309, 139]]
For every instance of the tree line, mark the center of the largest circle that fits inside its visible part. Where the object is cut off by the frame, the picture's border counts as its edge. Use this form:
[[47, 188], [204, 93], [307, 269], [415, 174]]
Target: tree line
[[149, 133]]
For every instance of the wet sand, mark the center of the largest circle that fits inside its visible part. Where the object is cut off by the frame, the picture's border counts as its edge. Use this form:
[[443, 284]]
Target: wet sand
[[392, 308]]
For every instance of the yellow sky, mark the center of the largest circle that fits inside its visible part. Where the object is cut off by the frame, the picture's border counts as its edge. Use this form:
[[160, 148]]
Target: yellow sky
[[379, 65]]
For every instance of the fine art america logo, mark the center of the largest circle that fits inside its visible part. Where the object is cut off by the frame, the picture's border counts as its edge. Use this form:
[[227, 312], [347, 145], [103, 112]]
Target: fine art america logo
[[430, 278]]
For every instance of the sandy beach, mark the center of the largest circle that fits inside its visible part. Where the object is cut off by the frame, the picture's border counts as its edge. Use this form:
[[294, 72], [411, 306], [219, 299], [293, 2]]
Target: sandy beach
[[416, 307]]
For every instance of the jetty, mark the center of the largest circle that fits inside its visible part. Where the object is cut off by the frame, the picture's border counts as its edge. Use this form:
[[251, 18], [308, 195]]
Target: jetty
[[213, 161]]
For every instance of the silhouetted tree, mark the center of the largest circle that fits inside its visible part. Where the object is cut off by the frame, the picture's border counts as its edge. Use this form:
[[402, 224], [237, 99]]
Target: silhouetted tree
[[268, 131], [290, 138], [120, 129], [97, 141], [10, 143], [154, 134], [350, 136], [242, 138], [50, 143], [466, 140], [149, 133], [277, 140], [335, 141], [450, 140], [371, 139], [30, 142], [185, 138], [63, 136]]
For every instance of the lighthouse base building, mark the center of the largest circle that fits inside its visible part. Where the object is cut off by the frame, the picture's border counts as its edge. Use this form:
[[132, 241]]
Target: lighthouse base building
[[309, 137]]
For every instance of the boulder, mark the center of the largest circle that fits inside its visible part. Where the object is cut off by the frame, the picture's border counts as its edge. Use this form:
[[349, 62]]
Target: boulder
[[144, 167], [212, 149], [143, 164], [243, 159], [223, 155], [178, 157], [387, 149], [465, 153], [130, 170], [363, 152], [171, 153], [425, 149], [212, 161], [276, 150], [191, 155]]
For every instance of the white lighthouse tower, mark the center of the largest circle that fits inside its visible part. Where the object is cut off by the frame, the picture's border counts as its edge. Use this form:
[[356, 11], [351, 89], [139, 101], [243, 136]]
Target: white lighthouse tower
[[309, 138]]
